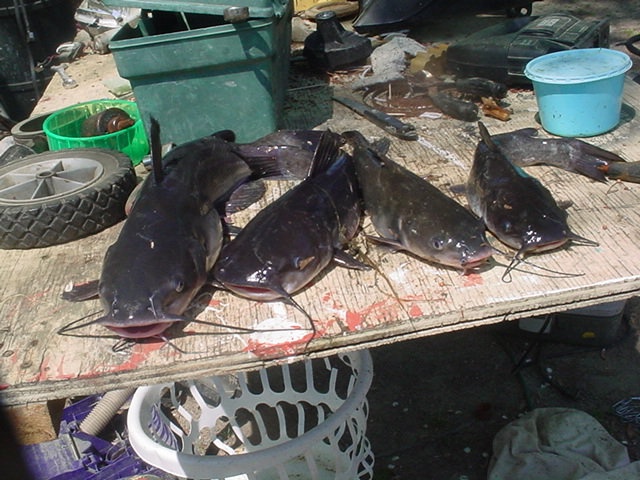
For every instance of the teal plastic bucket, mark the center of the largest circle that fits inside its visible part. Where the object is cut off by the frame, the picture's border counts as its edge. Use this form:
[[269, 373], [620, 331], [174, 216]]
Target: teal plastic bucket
[[579, 92]]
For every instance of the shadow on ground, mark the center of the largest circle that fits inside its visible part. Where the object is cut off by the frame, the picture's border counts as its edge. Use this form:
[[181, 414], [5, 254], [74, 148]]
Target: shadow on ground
[[436, 403]]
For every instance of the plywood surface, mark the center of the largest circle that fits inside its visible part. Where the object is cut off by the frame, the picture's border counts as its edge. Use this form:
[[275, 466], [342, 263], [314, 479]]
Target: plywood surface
[[403, 298]]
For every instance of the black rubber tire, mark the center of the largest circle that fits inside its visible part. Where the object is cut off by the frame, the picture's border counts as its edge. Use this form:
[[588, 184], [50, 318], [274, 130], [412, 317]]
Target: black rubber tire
[[101, 181]]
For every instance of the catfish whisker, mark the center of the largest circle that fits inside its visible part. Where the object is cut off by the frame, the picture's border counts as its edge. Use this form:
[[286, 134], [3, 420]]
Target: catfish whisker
[[153, 307], [235, 328], [578, 240], [167, 341], [75, 324], [122, 345], [517, 260], [558, 273], [288, 299]]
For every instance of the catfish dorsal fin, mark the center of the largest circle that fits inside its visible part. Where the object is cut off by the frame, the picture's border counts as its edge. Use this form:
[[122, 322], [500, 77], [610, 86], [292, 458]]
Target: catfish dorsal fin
[[326, 153], [156, 151], [486, 137]]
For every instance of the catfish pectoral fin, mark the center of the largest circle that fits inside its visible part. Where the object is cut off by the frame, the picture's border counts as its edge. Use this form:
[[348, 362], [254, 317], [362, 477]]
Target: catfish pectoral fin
[[386, 241], [345, 260], [244, 196], [79, 292]]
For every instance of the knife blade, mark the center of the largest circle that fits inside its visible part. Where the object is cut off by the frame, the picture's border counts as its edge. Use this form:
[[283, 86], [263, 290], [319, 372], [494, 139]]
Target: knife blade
[[383, 120]]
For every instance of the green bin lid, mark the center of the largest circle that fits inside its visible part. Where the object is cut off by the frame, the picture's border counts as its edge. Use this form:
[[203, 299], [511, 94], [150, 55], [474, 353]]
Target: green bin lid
[[257, 8]]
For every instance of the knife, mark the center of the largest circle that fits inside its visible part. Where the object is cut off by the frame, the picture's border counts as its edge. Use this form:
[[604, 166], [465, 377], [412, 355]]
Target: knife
[[385, 121]]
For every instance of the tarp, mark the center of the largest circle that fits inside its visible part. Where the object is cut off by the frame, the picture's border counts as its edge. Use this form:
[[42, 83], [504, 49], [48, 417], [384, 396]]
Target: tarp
[[559, 444]]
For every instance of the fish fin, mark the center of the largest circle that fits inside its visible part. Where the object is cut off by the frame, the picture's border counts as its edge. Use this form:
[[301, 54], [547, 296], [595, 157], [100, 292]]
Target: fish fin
[[232, 230], [486, 137], [381, 146], [156, 151], [213, 282], [590, 160], [526, 132], [79, 292], [132, 199], [343, 259], [378, 151], [588, 149], [226, 135], [266, 166], [326, 153], [245, 195], [458, 189], [386, 241]]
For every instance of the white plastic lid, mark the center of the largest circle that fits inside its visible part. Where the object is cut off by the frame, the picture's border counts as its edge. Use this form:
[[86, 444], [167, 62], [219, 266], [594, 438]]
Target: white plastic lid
[[577, 66]]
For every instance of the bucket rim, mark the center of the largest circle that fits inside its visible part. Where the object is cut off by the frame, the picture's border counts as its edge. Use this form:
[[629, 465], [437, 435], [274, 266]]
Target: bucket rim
[[53, 116], [546, 68], [184, 464]]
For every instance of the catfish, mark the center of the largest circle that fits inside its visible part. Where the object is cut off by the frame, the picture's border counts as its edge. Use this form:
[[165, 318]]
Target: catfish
[[515, 206], [292, 240], [412, 215], [173, 234], [524, 148]]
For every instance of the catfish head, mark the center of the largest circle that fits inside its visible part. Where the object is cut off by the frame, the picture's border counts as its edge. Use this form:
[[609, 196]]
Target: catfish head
[[148, 283], [268, 269]]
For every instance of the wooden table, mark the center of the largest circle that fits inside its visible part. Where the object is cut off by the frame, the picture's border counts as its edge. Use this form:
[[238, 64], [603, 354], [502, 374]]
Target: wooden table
[[406, 298]]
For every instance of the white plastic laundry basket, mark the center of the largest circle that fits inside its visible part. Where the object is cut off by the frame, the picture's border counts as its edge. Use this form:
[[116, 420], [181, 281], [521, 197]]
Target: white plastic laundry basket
[[305, 421]]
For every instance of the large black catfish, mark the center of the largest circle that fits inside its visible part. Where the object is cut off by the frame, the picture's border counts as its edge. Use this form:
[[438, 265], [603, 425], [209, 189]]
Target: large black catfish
[[172, 236], [288, 243], [515, 207], [524, 148], [411, 214]]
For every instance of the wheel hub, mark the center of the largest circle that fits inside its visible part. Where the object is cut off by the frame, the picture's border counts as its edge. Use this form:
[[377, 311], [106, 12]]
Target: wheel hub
[[48, 179]]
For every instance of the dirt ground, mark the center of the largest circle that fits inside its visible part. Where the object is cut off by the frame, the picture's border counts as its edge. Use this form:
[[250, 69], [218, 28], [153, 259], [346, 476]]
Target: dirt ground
[[437, 403]]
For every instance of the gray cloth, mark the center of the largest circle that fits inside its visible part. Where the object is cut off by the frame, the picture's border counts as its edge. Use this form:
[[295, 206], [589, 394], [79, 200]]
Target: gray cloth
[[559, 444]]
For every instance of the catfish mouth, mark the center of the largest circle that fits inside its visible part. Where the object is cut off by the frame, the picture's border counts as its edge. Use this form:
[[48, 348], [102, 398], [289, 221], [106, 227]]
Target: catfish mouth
[[138, 329], [476, 258], [475, 263], [261, 294], [544, 247]]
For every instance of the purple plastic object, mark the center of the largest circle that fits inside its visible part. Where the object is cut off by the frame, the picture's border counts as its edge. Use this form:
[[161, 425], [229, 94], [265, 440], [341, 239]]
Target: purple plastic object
[[75, 455]]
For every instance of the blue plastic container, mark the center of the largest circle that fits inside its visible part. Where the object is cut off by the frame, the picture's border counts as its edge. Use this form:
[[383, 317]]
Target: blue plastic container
[[579, 92]]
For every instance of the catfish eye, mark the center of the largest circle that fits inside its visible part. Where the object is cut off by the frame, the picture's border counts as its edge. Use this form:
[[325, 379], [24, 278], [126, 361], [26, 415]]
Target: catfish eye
[[507, 226], [437, 243], [179, 286]]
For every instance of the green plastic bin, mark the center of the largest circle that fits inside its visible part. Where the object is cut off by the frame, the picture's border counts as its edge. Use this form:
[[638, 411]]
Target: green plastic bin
[[63, 129], [197, 74]]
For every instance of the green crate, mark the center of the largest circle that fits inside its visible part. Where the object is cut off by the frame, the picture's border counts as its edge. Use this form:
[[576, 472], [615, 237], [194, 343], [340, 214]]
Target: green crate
[[63, 129], [210, 75]]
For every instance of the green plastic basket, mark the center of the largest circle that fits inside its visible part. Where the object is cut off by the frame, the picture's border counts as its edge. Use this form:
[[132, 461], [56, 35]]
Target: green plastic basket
[[63, 129]]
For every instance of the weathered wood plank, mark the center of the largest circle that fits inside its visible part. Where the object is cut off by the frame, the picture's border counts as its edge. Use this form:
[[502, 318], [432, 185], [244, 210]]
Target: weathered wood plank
[[405, 298]]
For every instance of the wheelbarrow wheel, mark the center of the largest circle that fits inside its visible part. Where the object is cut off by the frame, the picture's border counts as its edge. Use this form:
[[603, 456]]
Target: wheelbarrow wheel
[[59, 196]]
